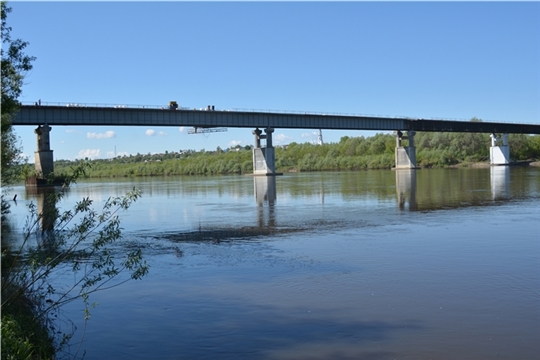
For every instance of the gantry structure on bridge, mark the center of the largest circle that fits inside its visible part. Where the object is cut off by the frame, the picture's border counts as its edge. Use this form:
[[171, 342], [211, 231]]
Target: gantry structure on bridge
[[263, 122]]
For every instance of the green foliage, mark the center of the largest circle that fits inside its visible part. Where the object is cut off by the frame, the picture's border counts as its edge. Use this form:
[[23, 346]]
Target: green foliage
[[186, 163], [14, 341], [15, 64], [351, 153], [524, 147], [446, 149], [78, 240], [23, 335]]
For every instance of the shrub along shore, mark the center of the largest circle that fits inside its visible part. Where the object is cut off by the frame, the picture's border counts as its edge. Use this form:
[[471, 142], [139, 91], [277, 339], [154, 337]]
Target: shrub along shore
[[350, 154]]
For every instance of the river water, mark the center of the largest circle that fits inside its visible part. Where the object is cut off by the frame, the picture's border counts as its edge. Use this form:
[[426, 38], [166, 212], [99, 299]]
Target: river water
[[426, 264]]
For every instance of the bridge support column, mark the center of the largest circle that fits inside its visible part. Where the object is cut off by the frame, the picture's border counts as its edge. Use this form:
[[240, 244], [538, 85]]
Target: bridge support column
[[405, 156], [44, 163], [264, 157], [499, 154]]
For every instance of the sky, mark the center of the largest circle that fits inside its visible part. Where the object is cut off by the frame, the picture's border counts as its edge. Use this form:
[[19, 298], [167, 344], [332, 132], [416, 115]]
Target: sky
[[447, 60]]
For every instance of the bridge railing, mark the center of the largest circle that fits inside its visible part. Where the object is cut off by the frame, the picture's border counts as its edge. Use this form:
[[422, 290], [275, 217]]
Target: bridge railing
[[99, 105], [298, 112], [133, 106]]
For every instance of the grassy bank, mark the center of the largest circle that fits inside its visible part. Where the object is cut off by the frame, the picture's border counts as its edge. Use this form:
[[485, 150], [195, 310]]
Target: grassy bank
[[24, 334]]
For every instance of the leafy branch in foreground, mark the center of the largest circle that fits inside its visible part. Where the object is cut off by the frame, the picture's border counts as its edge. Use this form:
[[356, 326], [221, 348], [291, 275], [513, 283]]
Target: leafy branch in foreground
[[78, 241]]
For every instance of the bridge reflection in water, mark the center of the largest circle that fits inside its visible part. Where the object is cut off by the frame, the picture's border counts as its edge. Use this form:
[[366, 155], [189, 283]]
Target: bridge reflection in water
[[500, 182], [409, 198], [409, 190], [46, 206], [265, 194], [406, 189], [265, 190]]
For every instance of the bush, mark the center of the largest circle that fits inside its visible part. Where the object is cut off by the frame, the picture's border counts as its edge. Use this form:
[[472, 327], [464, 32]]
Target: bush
[[79, 240]]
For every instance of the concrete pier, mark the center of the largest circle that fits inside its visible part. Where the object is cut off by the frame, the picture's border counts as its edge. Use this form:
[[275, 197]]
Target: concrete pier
[[264, 162], [499, 154], [405, 155], [44, 162]]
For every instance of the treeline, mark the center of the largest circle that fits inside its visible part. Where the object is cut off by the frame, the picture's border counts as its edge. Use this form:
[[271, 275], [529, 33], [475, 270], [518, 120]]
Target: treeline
[[185, 163], [351, 153]]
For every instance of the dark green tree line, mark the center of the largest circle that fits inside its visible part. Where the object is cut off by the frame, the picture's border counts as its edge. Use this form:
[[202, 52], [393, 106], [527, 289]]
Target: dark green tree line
[[433, 149]]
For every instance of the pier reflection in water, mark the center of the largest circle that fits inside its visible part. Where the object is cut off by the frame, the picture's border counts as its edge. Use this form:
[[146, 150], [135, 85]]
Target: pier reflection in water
[[265, 189], [265, 196], [406, 189], [500, 182], [47, 211]]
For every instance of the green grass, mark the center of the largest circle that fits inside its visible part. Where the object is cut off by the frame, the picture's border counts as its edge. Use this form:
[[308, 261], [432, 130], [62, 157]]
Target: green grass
[[23, 335]]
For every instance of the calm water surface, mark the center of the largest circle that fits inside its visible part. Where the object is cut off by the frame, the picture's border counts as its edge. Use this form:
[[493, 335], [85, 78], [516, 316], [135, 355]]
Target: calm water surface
[[432, 264]]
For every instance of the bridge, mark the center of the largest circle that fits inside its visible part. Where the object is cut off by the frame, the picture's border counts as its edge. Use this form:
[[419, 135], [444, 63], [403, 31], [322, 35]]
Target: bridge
[[144, 116], [44, 116]]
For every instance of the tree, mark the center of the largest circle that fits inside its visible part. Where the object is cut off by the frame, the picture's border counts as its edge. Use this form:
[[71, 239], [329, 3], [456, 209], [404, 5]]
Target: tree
[[79, 239], [15, 65]]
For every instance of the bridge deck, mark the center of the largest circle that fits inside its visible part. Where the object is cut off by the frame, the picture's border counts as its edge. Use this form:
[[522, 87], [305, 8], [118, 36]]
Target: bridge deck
[[109, 116]]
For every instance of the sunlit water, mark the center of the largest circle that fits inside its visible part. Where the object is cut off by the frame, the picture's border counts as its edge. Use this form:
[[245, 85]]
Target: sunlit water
[[433, 264]]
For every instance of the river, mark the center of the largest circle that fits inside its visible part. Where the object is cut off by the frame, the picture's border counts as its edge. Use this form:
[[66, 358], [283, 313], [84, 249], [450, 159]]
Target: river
[[426, 264]]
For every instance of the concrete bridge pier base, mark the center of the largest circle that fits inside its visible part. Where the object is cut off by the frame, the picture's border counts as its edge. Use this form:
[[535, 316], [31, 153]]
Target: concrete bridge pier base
[[499, 154], [44, 162], [405, 155], [264, 162]]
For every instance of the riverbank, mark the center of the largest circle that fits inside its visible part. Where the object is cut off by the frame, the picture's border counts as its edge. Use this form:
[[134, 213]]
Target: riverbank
[[487, 164], [433, 150]]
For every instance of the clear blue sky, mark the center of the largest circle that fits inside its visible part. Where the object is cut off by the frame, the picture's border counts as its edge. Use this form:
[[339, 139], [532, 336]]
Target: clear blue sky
[[449, 60]]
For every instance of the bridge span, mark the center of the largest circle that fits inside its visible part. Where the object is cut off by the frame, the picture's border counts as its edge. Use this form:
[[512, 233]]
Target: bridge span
[[140, 116], [263, 156]]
